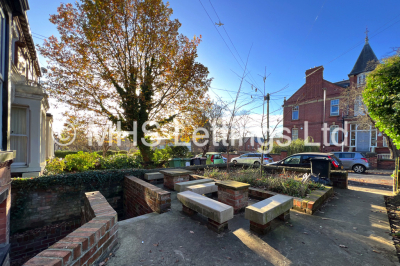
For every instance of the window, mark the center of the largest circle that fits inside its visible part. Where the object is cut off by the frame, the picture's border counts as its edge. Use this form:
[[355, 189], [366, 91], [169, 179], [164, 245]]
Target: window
[[19, 134], [373, 138], [347, 155], [352, 135], [307, 158], [293, 160], [361, 79], [359, 106], [295, 133], [335, 107], [334, 136], [295, 113], [384, 143]]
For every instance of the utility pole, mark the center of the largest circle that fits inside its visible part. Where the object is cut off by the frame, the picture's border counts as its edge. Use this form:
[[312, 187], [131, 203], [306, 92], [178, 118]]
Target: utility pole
[[267, 98]]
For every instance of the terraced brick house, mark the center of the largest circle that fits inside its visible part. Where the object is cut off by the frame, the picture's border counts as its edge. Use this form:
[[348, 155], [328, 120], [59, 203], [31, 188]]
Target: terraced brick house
[[318, 102]]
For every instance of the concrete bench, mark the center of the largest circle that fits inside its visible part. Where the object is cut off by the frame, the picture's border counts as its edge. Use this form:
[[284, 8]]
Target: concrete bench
[[217, 213], [153, 176], [262, 213], [203, 188], [180, 187]]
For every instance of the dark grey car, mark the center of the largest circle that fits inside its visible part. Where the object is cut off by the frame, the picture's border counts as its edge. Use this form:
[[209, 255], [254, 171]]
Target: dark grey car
[[353, 160]]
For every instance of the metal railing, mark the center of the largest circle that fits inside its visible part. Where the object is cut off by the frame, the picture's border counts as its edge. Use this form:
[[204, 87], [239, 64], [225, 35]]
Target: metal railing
[[383, 156]]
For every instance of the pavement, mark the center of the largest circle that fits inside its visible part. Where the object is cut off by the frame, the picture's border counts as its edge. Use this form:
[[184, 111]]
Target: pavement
[[351, 229]]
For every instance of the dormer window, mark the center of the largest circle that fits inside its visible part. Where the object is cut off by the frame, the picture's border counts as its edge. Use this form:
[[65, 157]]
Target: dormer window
[[361, 79]]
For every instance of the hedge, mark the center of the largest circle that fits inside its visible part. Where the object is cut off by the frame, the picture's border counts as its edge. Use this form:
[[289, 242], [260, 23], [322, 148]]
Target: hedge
[[62, 154]]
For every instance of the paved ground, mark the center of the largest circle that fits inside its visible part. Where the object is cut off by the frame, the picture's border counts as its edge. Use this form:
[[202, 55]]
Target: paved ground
[[370, 179], [355, 218]]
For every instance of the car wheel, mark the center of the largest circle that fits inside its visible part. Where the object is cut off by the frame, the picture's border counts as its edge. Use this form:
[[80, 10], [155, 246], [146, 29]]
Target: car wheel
[[257, 163], [359, 169], [234, 161]]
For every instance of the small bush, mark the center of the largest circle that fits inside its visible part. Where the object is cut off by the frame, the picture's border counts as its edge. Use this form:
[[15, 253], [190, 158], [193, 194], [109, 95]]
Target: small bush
[[54, 166], [295, 146], [120, 161], [280, 183], [82, 161]]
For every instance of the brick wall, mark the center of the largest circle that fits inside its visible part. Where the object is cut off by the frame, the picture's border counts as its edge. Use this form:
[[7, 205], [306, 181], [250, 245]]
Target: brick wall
[[32, 209], [141, 197], [386, 164], [41, 217], [26, 245], [89, 244], [5, 205]]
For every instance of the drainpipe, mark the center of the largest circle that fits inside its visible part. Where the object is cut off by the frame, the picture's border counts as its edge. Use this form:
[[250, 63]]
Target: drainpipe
[[323, 119]]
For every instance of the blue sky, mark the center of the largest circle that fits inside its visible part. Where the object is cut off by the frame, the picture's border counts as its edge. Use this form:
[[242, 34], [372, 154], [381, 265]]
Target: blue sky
[[287, 37]]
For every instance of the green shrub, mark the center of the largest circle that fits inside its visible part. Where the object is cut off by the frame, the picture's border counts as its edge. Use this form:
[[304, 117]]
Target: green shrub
[[160, 156], [62, 154], [54, 166], [82, 161], [279, 183], [120, 161], [295, 146], [177, 151]]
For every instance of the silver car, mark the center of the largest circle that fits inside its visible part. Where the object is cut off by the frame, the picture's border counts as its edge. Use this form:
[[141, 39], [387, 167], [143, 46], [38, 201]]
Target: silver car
[[252, 158], [353, 160]]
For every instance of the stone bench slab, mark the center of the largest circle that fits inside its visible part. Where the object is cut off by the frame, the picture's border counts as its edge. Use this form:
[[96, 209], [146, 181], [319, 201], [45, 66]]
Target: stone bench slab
[[181, 186], [265, 211], [203, 188], [176, 172], [153, 176], [210, 208]]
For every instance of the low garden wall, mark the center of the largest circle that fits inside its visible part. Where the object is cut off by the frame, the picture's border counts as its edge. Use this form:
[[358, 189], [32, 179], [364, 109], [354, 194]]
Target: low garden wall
[[46, 209], [309, 205], [89, 244], [141, 197]]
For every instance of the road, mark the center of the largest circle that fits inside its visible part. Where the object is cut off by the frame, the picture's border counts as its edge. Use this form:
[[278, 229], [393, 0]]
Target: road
[[371, 179]]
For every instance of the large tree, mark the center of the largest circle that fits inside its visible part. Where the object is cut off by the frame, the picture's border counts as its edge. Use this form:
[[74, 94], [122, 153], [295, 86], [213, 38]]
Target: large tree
[[125, 60], [382, 98]]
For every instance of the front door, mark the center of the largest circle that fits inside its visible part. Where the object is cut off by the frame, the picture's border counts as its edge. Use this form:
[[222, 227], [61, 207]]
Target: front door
[[363, 140]]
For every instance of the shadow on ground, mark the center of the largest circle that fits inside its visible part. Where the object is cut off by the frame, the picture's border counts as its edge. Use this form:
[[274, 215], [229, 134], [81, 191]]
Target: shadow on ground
[[351, 229]]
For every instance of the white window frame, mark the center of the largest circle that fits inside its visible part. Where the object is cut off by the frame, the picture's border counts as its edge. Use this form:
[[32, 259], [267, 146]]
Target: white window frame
[[331, 129], [361, 79], [295, 109], [2, 66], [333, 104], [353, 130], [373, 131], [295, 136], [24, 164], [384, 142]]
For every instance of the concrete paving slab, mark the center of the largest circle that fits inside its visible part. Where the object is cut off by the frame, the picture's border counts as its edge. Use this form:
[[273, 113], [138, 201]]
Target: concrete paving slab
[[153, 176], [355, 218], [203, 188], [266, 210], [180, 187], [215, 210]]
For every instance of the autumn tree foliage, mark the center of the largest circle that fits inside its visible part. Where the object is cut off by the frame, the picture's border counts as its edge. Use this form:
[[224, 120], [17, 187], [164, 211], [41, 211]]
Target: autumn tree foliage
[[382, 98], [125, 60]]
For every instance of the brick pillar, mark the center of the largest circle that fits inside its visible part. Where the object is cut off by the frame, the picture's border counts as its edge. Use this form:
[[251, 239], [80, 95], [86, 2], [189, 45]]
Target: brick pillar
[[5, 205], [261, 229], [373, 162], [235, 194], [283, 154], [173, 176]]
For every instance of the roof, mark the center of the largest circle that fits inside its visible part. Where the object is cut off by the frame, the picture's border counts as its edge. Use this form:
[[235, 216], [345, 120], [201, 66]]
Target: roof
[[362, 65], [343, 84]]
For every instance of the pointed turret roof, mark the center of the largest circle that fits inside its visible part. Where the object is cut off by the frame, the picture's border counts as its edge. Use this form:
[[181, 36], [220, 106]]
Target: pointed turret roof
[[364, 63]]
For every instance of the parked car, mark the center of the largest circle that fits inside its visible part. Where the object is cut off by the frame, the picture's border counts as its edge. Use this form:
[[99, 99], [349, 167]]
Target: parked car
[[355, 161], [225, 160], [214, 158], [252, 158], [303, 160]]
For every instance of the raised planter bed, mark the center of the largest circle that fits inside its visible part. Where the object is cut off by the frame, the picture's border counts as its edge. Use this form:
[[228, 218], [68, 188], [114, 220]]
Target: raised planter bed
[[309, 205]]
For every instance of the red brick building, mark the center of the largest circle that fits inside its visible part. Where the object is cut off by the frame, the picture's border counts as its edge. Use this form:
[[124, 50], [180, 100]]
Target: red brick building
[[318, 102]]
